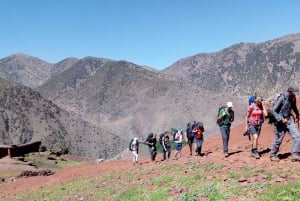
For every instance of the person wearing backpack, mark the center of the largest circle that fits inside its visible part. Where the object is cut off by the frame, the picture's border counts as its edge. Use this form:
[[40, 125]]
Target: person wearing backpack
[[225, 118], [198, 133], [254, 119], [151, 142], [166, 146], [281, 111], [134, 148], [190, 137]]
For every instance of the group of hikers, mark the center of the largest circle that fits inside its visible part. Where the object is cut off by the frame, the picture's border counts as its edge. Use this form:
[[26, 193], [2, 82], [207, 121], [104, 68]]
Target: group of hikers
[[282, 112]]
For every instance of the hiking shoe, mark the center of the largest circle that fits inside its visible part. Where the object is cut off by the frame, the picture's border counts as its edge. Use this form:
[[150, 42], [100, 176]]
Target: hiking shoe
[[274, 158], [295, 158], [226, 154], [255, 155]]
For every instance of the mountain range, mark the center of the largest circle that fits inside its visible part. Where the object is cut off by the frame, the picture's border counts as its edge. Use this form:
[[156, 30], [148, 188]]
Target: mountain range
[[103, 103]]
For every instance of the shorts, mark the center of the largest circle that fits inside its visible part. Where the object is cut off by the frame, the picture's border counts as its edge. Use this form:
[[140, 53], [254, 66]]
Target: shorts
[[191, 140], [254, 129], [178, 146]]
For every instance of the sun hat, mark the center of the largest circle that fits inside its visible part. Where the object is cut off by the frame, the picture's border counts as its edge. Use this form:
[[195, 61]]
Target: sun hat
[[229, 104]]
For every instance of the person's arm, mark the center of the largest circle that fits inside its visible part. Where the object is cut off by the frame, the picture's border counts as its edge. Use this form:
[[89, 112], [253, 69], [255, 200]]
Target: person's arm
[[247, 117], [231, 116], [222, 114]]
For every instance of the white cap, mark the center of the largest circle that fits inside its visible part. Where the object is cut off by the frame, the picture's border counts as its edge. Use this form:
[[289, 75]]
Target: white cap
[[229, 104], [135, 139]]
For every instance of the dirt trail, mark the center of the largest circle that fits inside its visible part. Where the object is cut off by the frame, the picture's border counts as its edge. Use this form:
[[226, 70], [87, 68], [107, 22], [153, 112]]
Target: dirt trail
[[239, 150]]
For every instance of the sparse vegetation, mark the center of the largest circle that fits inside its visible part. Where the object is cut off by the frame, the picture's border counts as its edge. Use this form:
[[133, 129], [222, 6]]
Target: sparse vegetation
[[175, 183]]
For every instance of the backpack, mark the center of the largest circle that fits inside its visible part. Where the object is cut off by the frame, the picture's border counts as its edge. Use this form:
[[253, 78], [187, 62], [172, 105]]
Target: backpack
[[175, 135], [270, 115], [251, 100], [130, 144], [231, 112], [161, 136], [219, 121]]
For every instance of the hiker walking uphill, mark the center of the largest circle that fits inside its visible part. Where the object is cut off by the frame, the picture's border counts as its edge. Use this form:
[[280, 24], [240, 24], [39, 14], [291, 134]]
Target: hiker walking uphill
[[151, 142], [224, 120], [254, 119], [178, 143], [166, 146], [198, 133], [134, 148], [281, 112], [190, 137]]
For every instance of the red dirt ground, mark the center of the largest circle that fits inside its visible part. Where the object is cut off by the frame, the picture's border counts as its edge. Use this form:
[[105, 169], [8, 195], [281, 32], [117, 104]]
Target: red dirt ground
[[239, 150]]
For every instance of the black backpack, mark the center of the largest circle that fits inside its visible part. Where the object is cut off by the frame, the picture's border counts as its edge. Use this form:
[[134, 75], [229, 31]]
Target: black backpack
[[161, 138], [130, 144]]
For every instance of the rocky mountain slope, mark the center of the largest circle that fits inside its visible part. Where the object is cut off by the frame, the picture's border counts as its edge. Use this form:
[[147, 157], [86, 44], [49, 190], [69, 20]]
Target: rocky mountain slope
[[25, 116], [245, 68], [122, 96]]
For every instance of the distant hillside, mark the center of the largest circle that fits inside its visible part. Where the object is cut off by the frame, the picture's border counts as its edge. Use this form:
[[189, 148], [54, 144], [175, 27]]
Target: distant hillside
[[122, 96], [25, 116], [245, 68]]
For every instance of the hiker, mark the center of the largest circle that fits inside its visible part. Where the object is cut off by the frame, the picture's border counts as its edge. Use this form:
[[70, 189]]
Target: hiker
[[190, 137], [281, 111], [198, 133], [254, 119], [151, 142], [178, 143], [166, 146], [225, 118], [134, 148]]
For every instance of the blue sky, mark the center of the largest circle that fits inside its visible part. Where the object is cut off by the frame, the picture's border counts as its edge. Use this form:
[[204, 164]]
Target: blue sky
[[155, 33]]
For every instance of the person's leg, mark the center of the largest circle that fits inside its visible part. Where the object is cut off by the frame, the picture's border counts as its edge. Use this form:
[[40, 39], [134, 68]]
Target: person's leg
[[296, 140], [197, 146], [190, 142], [224, 133], [154, 154], [164, 154], [169, 153], [176, 152], [135, 157], [279, 132], [180, 148], [200, 146], [254, 132]]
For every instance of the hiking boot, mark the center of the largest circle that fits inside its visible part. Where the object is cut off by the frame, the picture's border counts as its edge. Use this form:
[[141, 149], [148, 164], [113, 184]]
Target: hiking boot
[[274, 158], [226, 154], [295, 158], [255, 155]]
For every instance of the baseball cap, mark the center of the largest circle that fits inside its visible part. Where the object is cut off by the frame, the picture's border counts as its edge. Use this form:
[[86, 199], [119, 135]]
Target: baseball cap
[[229, 104], [293, 89]]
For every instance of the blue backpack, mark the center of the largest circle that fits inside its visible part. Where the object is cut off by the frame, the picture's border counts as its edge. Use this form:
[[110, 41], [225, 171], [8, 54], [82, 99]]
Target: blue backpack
[[251, 99]]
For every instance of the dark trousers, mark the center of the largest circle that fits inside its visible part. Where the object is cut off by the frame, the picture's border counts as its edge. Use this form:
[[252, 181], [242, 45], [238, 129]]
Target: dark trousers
[[167, 153], [199, 142], [225, 132], [153, 153]]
